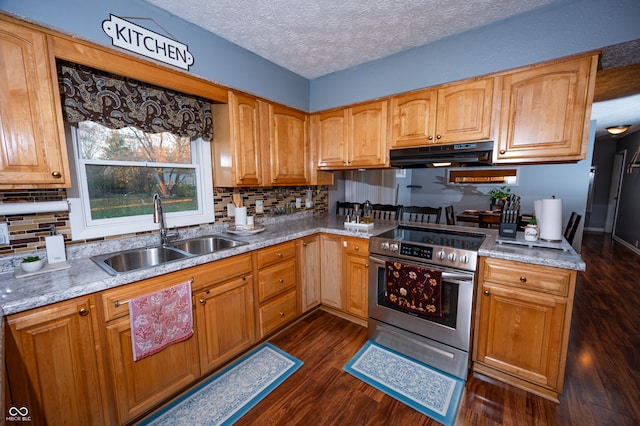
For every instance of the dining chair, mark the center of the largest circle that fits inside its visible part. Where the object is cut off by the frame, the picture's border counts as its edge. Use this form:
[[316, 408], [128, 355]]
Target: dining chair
[[386, 211], [572, 227], [344, 208], [450, 215], [421, 214]]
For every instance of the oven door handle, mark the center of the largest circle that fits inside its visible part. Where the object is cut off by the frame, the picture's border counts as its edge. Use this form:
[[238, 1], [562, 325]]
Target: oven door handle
[[449, 276]]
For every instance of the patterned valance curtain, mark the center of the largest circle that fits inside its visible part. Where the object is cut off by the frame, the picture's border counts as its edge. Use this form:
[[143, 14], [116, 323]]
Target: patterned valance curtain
[[116, 102]]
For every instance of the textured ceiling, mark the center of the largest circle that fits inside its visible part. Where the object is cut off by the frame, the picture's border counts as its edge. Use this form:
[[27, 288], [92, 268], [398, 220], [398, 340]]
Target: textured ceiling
[[314, 38]]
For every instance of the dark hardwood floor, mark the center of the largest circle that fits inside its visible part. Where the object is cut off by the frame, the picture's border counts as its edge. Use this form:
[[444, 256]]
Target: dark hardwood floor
[[602, 382]]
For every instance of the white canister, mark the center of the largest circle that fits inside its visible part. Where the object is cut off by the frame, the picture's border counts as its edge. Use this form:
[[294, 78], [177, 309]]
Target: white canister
[[531, 233], [250, 222]]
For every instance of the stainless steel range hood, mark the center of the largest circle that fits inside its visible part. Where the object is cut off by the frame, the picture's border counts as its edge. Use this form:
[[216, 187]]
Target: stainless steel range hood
[[454, 155]]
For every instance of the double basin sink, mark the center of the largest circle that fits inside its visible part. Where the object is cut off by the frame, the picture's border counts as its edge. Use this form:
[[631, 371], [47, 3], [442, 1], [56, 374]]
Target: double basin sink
[[148, 257]]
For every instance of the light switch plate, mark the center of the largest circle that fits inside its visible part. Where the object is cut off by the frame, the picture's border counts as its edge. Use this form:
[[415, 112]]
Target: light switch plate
[[4, 234]]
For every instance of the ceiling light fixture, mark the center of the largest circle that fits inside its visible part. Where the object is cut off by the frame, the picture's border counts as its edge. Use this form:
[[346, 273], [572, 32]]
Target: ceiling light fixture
[[617, 130]]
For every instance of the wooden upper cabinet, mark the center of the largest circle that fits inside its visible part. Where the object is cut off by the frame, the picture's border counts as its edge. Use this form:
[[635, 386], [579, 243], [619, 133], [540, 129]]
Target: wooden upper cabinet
[[330, 132], [32, 143], [352, 137], [236, 146], [367, 137], [546, 112], [288, 145], [459, 112]]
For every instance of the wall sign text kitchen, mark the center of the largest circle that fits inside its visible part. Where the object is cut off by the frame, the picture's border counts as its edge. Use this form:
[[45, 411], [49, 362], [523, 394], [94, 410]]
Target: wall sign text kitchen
[[135, 38]]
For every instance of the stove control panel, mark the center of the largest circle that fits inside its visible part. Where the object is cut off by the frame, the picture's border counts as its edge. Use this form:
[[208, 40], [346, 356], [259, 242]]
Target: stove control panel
[[420, 252]]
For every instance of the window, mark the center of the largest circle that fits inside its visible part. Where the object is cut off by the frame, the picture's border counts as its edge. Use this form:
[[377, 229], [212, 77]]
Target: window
[[119, 170]]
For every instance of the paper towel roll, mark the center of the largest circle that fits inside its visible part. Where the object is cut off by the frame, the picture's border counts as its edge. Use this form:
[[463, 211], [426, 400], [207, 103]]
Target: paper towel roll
[[241, 217], [549, 218]]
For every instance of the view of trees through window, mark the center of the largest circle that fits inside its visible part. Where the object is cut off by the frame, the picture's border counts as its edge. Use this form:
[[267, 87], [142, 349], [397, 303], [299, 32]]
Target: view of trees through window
[[125, 167]]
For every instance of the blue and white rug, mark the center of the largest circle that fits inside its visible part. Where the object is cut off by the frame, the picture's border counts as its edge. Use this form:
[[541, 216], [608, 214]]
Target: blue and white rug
[[431, 392], [225, 397]]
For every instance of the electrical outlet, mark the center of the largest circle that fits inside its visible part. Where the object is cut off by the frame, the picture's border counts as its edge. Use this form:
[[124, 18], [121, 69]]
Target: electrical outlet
[[4, 234]]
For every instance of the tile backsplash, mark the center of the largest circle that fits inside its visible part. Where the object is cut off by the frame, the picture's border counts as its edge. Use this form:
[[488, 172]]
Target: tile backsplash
[[27, 231]]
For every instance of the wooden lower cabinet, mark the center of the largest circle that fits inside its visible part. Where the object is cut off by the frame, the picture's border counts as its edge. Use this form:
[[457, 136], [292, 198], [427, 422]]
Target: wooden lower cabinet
[[141, 385], [331, 270], [225, 321], [277, 287], [53, 364], [308, 262], [355, 276], [522, 324]]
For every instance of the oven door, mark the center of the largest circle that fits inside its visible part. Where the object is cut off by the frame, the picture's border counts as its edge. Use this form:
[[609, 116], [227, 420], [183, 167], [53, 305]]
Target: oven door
[[448, 336]]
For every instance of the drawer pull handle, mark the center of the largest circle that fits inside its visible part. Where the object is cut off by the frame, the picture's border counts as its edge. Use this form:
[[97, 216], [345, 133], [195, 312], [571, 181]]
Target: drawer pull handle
[[486, 292], [83, 312], [280, 255], [523, 279]]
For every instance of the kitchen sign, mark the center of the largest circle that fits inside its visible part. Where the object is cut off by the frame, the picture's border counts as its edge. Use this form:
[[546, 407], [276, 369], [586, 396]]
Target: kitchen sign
[[135, 38]]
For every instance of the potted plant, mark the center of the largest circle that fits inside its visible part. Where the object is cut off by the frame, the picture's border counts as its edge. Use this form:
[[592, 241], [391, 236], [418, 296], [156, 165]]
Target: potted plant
[[32, 263], [498, 196]]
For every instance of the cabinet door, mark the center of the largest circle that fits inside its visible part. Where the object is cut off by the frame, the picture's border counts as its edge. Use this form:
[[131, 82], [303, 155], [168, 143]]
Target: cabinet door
[[289, 146], [244, 118], [331, 270], [414, 119], [330, 132], [141, 385], [32, 146], [356, 276], [225, 321], [53, 363], [520, 332], [367, 137], [464, 111], [546, 112], [309, 275]]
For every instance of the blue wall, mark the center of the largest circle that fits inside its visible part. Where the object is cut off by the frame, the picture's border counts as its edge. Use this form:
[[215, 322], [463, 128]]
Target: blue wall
[[216, 59], [565, 27], [562, 29]]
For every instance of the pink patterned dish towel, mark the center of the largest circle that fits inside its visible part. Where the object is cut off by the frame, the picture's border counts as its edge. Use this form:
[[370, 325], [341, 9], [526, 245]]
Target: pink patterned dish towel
[[160, 319]]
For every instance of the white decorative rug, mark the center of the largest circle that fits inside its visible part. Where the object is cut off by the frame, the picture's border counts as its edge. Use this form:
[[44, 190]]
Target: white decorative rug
[[431, 392], [225, 397]]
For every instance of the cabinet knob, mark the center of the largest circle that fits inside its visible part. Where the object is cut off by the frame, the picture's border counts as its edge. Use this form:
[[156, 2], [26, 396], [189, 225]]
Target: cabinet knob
[[275, 178], [344, 161], [502, 151], [240, 179], [430, 137], [486, 292], [281, 280], [366, 265], [56, 174], [280, 255], [304, 244], [439, 137], [281, 314], [202, 301], [523, 279], [83, 312], [356, 248]]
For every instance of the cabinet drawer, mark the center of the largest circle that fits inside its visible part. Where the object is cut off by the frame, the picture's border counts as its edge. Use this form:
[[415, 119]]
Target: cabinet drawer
[[359, 246], [221, 270], [271, 255], [277, 312], [276, 279], [532, 277]]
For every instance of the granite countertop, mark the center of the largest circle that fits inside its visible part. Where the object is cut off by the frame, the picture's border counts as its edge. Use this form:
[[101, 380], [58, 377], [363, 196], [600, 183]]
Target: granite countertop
[[85, 277]]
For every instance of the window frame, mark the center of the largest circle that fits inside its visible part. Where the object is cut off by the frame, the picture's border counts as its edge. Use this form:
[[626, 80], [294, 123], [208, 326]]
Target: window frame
[[83, 227]]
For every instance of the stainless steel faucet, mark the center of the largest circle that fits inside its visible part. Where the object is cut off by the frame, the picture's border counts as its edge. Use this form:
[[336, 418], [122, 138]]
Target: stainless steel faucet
[[158, 217]]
